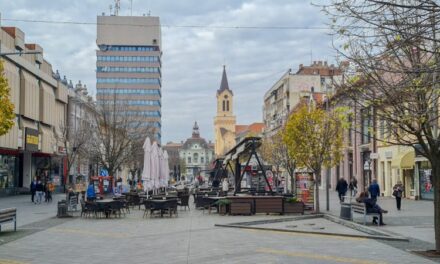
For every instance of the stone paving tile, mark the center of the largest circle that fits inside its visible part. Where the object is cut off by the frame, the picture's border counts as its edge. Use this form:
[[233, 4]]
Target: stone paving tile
[[193, 238], [190, 238]]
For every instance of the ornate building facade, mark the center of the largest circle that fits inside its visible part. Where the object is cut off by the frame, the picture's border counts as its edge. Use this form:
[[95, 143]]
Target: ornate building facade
[[224, 121], [197, 154]]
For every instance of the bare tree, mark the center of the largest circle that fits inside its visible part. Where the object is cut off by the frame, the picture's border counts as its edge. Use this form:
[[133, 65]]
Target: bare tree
[[119, 137], [74, 141], [275, 151], [393, 46]]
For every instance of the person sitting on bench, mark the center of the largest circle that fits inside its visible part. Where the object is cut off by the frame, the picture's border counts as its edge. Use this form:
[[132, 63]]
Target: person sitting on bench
[[372, 207]]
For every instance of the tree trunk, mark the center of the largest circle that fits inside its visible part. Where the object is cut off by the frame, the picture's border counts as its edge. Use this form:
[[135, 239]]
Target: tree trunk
[[292, 182], [436, 184], [316, 193]]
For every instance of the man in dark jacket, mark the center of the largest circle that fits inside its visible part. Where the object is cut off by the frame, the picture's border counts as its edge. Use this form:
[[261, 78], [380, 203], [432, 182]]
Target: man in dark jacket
[[33, 189], [341, 188], [374, 190], [372, 207]]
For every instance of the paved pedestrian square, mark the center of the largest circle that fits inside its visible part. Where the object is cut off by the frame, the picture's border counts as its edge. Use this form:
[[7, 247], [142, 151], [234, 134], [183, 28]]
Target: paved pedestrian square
[[192, 237]]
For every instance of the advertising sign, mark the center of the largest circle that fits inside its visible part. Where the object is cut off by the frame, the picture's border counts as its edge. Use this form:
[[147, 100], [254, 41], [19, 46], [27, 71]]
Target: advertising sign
[[426, 186], [305, 188], [31, 139]]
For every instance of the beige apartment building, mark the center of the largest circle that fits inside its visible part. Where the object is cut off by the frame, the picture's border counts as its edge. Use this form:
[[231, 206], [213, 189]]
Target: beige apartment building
[[30, 149], [287, 92], [128, 67]]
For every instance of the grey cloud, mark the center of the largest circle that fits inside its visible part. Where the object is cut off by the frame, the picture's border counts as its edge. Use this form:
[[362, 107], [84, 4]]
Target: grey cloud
[[192, 57]]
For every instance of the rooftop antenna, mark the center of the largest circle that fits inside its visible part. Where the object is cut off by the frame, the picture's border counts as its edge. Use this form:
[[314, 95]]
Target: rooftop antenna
[[111, 8], [131, 7], [117, 7]]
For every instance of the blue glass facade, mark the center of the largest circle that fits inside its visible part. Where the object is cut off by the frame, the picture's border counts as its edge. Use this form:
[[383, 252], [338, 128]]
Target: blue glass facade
[[114, 77], [129, 80], [129, 58], [132, 102], [129, 69], [105, 91]]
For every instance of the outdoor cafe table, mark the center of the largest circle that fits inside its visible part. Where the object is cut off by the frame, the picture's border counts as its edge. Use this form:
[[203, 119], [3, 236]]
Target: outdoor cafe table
[[158, 203], [102, 204]]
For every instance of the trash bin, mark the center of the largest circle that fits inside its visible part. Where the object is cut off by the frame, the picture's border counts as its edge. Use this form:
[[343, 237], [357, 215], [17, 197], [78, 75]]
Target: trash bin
[[346, 211], [62, 209]]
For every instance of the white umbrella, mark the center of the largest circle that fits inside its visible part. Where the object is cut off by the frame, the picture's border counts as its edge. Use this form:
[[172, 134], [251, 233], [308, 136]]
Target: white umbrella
[[154, 165], [160, 174], [146, 173], [166, 168]]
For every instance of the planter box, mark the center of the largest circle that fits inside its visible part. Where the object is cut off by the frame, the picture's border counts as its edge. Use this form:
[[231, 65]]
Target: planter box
[[241, 208], [223, 209], [297, 208]]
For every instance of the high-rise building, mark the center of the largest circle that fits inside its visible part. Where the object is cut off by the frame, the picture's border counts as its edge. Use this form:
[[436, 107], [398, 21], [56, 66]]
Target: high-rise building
[[128, 67]]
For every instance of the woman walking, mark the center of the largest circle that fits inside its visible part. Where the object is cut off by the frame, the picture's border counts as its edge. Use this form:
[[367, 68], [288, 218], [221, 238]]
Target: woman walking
[[39, 190], [398, 193]]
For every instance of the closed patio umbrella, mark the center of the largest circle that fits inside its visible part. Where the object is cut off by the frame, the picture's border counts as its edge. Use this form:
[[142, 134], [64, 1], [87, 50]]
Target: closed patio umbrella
[[154, 165], [146, 173], [160, 180], [166, 168]]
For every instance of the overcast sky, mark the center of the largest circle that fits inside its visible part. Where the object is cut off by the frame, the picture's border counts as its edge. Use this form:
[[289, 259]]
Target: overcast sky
[[192, 57]]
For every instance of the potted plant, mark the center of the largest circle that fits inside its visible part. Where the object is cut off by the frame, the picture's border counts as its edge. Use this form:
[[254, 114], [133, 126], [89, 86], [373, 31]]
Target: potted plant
[[223, 206], [293, 205]]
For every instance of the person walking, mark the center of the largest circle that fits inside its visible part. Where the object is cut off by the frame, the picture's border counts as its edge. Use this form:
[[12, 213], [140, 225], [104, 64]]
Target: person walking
[[39, 191], [341, 188], [398, 193], [33, 189], [353, 187], [374, 190], [49, 190]]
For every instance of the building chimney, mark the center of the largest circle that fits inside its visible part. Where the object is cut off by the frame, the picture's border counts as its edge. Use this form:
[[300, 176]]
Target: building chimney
[[325, 63]]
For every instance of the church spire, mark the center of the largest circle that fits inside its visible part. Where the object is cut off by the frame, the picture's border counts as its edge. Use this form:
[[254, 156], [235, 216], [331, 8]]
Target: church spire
[[196, 132], [224, 83]]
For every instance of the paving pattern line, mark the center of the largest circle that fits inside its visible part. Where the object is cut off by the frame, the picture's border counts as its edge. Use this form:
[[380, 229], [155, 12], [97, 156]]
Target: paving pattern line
[[89, 233], [317, 256], [10, 261], [300, 233]]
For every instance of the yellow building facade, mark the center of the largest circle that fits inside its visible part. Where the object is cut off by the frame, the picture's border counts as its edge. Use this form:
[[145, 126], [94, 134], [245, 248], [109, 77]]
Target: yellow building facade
[[224, 121]]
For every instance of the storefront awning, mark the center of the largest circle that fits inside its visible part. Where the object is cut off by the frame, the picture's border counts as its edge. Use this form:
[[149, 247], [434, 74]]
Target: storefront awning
[[404, 160]]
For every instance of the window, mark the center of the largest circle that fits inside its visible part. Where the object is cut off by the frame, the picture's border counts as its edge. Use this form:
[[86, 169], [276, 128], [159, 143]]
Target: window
[[227, 105], [202, 160], [129, 80], [128, 91], [350, 132], [133, 102], [366, 121], [129, 58], [189, 160], [130, 48], [224, 105], [196, 157], [382, 128], [128, 69]]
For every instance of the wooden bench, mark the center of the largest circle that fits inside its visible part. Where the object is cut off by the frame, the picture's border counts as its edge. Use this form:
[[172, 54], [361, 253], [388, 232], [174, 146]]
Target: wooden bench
[[8, 215], [360, 208]]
